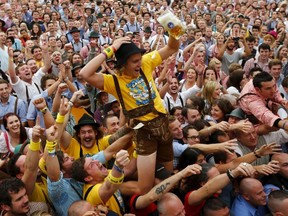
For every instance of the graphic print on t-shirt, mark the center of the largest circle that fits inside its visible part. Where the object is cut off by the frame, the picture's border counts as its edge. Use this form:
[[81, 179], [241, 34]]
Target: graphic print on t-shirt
[[139, 92]]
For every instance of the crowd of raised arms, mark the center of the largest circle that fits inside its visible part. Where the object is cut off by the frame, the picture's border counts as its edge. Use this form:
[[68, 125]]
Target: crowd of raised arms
[[104, 112]]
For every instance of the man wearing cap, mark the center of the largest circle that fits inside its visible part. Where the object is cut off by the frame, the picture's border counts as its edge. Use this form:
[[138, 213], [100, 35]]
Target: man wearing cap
[[139, 95], [90, 17], [92, 49], [76, 42]]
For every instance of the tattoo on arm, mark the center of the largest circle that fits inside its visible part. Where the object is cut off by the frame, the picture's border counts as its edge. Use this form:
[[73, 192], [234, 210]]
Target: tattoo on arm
[[161, 188], [120, 133]]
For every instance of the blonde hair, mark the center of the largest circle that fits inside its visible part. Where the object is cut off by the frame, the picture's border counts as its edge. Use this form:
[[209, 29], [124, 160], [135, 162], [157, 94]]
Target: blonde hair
[[208, 91]]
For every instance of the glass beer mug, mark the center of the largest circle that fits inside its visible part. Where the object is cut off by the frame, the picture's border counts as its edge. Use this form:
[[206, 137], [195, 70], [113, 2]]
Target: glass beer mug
[[172, 24]]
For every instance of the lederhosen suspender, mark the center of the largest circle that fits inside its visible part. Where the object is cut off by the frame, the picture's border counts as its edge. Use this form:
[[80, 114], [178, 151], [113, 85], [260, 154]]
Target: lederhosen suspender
[[140, 111], [27, 94], [169, 105]]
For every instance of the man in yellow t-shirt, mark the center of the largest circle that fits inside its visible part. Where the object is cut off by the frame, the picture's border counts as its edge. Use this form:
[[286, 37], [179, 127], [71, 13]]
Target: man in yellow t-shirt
[[89, 140], [101, 185], [135, 89]]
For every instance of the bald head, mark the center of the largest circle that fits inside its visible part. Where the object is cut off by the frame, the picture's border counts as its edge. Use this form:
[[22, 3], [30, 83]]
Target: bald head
[[79, 208], [253, 192], [278, 202], [170, 204]]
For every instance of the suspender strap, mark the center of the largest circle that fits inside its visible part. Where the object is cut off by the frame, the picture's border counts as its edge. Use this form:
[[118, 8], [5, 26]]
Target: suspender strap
[[168, 103], [182, 103], [87, 192], [7, 141], [15, 105], [119, 95]]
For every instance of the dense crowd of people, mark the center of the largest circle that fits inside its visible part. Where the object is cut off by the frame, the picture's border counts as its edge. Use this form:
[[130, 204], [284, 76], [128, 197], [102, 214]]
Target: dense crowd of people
[[104, 112]]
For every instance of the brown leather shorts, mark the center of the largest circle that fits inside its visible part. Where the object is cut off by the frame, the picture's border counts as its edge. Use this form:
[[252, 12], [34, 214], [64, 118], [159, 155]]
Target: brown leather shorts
[[155, 136]]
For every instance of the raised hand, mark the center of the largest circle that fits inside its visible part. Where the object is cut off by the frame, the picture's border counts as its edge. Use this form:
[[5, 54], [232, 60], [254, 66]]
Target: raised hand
[[243, 169], [40, 103], [271, 148], [118, 42], [191, 170], [37, 131], [52, 133], [229, 146], [64, 107], [122, 159], [62, 88]]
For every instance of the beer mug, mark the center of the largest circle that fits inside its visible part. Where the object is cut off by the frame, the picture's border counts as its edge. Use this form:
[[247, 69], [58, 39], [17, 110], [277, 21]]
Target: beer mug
[[172, 24]]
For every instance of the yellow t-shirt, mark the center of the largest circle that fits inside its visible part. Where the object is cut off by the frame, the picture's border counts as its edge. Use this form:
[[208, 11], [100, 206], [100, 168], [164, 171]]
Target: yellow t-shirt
[[134, 91], [94, 198], [73, 150], [40, 192]]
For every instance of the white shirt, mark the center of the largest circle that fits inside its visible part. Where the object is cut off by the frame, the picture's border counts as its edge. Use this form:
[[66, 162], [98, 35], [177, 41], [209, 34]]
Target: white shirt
[[181, 98], [20, 86]]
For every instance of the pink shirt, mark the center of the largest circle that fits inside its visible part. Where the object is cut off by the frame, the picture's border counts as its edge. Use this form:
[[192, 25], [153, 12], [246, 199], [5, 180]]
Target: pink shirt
[[255, 104]]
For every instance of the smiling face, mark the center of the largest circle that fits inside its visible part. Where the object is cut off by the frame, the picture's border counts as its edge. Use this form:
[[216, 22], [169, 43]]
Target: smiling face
[[217, 113], [13, 124], [173, 87], [87, 136], [4, 91], [133, 65]]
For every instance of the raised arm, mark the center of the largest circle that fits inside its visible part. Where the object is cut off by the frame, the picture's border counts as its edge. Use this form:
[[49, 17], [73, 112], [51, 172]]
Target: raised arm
[[11, 70], [217, 183], [165, 186], [89, 71], [52, 163], [109, 186], [32, 158], [46, 58], [170, 48]]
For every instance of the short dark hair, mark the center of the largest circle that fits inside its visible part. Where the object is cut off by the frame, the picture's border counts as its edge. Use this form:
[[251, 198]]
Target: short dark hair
[[8, 186], [174, 109], [185, 109], [250, 38], [188, 157], [261, 77], [104, 122], [78, 171], [264, 46], [186, 129], [45, 78], [253, 70], [213, 204], [35, 47], [12, 169]]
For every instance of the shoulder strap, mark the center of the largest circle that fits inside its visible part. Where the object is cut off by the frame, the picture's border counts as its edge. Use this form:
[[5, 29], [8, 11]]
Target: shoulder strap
[[15, 105], [87, 192], [81, 152], [27, 94], [116, 83], [168, 104], [181, 99], [7, 141]]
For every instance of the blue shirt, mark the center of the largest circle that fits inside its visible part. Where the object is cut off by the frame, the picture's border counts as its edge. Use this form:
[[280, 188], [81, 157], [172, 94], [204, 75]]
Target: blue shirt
[[21, 109], [178, 149], [65, 191], [32, 112], [241, 207]]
